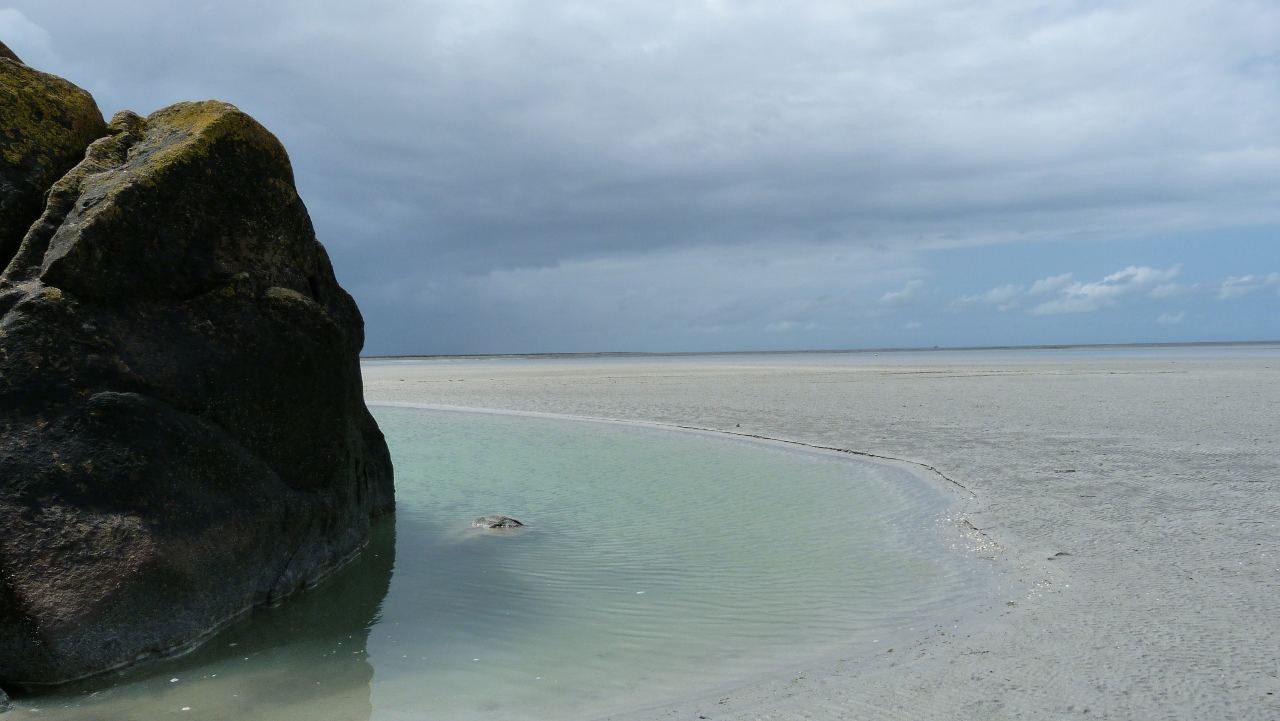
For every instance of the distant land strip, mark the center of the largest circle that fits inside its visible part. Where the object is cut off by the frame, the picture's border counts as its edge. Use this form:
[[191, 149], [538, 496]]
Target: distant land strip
[[691, 354]]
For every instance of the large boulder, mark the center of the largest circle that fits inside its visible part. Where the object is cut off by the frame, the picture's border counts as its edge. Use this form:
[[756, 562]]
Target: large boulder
[[183, 435], [45, 125]]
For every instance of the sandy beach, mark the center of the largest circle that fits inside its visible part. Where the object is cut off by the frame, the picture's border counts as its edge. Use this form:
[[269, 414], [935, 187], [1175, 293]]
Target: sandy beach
[[1131, 497]]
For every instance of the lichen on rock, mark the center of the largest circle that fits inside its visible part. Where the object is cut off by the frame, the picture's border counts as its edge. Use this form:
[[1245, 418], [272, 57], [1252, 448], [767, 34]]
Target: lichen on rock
[[183, 434], [45, 125]]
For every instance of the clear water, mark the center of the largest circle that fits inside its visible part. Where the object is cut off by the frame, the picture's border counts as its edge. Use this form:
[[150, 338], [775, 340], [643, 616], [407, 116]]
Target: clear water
[[655, 565]]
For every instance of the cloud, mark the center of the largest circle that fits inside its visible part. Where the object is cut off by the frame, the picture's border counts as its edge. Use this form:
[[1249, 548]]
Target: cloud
[[1051, 285], [456, 147], [1066, 295], [1008, 297], [1168, 290], [759, 297], [912, 325], [1005, 297], [912, 292], [1062, 294], [1088, 297], [1234, 287], [509, 134]]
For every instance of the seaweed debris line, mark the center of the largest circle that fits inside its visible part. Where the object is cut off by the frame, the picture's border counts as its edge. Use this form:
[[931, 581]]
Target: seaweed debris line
[[183, 436]]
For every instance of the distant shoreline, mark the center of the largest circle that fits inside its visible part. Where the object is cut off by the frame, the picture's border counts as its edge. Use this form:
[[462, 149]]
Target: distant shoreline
[[843, 351]]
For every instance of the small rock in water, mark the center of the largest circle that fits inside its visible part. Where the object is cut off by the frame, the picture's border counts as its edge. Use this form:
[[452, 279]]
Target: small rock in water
[[494, 522], [4, 701]]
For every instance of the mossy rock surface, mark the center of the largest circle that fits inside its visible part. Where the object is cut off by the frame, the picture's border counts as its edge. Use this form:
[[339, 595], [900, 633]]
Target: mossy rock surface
[[45, 125], [183, 435]]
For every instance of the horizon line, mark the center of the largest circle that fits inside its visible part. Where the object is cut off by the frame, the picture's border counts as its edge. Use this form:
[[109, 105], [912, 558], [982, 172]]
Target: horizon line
[[679, 354]]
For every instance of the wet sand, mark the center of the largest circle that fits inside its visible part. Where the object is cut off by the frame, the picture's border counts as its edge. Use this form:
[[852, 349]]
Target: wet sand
[[1130, 497]]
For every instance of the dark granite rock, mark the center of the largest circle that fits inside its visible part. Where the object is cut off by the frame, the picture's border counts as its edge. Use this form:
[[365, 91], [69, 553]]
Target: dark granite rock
[[496, 522], [45, 125], [183, 435]]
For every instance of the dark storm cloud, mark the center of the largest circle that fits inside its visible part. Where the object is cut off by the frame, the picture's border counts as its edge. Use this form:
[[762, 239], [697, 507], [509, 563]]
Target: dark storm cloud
[[445, 147]]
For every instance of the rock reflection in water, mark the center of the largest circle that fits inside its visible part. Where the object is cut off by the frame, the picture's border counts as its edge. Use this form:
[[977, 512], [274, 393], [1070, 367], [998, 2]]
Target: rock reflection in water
[[307, 659]]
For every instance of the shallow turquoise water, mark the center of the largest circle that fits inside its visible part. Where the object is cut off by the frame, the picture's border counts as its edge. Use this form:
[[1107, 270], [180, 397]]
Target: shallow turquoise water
[[655, 565]]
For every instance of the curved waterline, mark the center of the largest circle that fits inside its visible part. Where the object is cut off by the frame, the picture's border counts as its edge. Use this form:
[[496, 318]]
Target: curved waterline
[[657, 565], [678, 426]]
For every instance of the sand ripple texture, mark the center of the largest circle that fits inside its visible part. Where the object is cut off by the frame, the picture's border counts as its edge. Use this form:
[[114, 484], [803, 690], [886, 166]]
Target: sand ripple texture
[[1131, 498]]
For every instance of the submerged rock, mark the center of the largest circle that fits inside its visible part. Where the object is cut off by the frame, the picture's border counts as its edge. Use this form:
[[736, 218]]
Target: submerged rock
[[183, 434], [45, 125], [496, 522]]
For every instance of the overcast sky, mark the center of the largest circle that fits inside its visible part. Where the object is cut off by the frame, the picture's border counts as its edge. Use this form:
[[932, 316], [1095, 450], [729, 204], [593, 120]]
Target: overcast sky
[[650, 175]]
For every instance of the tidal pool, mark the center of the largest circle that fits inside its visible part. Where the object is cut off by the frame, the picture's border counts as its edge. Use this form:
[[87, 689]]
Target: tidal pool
[[655, 565]]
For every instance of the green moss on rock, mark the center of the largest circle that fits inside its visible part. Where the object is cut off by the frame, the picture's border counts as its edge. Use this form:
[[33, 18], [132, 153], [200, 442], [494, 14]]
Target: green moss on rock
[[46, 123], [203, 172]]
